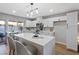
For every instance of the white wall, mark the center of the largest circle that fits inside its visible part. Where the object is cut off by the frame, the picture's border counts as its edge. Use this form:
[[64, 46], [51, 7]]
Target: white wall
[[60, 32]]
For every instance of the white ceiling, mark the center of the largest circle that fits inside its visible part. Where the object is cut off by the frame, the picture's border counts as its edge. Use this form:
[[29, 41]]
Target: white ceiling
[[43, 8]]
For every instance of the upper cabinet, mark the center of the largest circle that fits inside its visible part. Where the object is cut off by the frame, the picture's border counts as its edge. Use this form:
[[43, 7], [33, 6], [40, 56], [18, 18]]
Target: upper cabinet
[[27, 23], [72, 18], [30, 23], [47, 22]]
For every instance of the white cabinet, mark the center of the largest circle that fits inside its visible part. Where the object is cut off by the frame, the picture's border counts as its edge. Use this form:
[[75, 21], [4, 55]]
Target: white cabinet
[[48, 23], [72, 38], [30, 23], [27, 24], [72, 18], [72, 31], [33, 23]]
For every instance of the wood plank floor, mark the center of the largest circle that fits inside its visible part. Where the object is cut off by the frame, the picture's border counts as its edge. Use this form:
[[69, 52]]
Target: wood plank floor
[[61, 50]]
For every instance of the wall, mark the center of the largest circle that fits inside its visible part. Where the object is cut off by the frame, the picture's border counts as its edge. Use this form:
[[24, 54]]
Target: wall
[[60, 32]]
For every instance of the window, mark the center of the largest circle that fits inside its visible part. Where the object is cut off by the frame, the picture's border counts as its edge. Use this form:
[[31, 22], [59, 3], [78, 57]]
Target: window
[[2, 22], [12, 23], [2, 26], [12, 26]]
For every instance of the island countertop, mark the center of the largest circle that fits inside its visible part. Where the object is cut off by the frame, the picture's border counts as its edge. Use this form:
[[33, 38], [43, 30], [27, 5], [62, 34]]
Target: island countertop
[[44, 43], [41, 40]]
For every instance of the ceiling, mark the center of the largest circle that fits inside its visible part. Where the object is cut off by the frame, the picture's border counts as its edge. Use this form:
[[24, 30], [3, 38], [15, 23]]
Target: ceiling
[[20, 9]]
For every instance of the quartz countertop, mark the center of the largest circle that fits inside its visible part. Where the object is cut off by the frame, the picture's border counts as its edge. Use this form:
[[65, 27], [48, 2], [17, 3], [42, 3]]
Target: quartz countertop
[[41, 40]]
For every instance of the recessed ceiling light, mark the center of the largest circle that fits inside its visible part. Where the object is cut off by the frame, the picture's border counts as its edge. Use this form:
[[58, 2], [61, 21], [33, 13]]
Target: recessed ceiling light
[[14, 11], [51, 10]]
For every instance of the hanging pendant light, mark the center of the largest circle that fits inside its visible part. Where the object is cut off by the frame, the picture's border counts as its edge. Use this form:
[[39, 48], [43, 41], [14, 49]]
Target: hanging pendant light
[[32, 10]]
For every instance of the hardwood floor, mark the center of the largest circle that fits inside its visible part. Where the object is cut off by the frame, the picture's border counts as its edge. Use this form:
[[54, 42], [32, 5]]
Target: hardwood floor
[[61, 50]]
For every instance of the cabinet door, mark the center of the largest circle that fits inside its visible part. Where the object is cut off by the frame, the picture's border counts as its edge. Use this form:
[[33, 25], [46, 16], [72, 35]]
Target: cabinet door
[[72, 18], [48, 24], [72, 37], [28, 23]]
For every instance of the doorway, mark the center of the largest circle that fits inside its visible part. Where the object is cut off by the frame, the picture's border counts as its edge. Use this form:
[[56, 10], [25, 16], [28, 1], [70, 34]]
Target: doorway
[[60, 28]]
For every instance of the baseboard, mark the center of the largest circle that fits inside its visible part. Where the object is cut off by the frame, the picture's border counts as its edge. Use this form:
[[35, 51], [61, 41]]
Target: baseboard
[[61, 43], [72, 50]]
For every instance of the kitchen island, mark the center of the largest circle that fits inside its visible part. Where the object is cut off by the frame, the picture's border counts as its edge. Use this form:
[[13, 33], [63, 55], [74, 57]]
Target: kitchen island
[[44, 43]]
